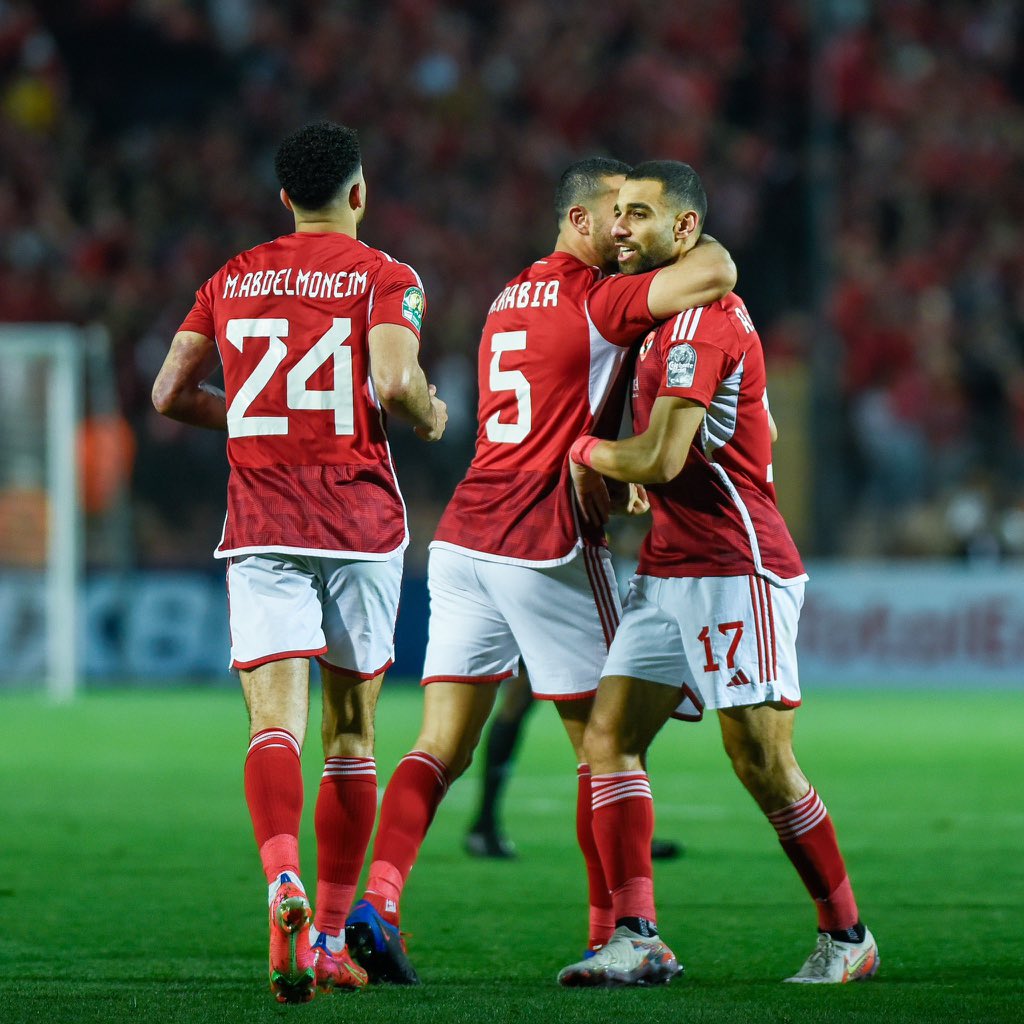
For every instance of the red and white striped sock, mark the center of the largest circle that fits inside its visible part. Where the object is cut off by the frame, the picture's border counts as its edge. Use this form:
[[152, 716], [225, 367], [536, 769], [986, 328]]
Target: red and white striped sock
[[273, 791], [410, 801], [346, 807], [809, 839], [602, 918], [623, 827]]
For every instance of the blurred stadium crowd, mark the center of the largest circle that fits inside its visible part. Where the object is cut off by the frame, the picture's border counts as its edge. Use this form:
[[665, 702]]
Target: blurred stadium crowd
[[864, 162]]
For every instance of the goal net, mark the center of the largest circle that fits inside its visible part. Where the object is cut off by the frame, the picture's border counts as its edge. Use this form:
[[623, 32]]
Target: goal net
[[52, 376]]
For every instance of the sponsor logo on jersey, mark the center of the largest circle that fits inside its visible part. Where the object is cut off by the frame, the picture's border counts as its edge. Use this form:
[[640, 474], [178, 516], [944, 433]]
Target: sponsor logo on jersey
[[647, 343], [413, 304], [681, 366]]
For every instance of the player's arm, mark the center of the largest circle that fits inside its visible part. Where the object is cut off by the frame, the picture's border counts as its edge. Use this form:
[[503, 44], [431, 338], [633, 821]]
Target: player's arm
[[653, 457], [703, 275], [179, 391], [400, 382]]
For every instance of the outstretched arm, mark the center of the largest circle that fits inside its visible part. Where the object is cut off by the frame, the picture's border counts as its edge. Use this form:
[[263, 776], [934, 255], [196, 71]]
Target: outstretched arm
[[653, 457], [179, 392], [703, 275]]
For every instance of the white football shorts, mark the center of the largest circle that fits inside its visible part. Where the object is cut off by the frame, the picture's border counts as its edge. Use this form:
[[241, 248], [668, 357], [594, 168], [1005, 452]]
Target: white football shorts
[[485, 616], [339, 610], [725, 641]]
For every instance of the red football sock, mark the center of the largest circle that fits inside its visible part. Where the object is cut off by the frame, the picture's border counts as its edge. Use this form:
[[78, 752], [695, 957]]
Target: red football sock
[[623, 827], [345, 809], [809, 839], [273, 791], [602, 919], [410, 801]]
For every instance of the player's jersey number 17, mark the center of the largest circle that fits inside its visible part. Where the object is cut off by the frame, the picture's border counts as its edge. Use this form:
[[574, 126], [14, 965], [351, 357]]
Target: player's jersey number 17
[[330, 346], [513, 381]]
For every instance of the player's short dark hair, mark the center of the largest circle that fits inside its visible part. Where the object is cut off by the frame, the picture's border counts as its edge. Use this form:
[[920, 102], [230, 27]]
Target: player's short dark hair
[[583, 180], [680, 183], [315, 163]]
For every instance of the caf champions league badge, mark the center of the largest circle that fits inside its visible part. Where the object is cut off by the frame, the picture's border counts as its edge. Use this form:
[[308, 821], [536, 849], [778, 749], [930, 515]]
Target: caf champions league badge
[[412, 307], [682, 364]]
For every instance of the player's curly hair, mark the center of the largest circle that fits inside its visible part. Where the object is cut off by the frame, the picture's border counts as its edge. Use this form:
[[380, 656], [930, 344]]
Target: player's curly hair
[[581, 181], [315, 163], [680, 183]]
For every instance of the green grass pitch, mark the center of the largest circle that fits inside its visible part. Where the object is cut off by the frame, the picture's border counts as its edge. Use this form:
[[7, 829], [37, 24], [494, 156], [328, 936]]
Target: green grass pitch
[[130, 888]]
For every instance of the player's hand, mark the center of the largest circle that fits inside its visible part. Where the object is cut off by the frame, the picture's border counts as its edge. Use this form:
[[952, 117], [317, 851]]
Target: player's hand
[[440, 410], [591, 493], [637, 503]]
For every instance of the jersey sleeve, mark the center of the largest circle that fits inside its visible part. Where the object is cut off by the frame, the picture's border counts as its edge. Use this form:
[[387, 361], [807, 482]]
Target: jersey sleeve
[[617, 307], [398, 298], [694, 367], [200, 317]]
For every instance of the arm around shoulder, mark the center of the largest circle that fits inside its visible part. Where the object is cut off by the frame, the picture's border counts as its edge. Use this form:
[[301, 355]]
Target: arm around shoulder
[[705, 274]]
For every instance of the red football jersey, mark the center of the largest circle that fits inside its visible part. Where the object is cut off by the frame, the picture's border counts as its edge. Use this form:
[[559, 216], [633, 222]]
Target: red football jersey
[[553, 346], [718, 517], [311, 470]]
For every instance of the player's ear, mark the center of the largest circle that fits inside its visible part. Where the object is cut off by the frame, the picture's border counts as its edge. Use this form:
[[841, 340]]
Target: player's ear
[[357, 194], [286, 201], [686, 225], [579, 218]]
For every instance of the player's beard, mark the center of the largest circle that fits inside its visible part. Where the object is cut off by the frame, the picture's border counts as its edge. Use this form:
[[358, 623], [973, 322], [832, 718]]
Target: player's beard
[[657, 254]]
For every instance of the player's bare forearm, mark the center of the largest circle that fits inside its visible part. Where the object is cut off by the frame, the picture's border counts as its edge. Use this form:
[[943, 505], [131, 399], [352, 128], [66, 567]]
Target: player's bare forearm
[[180, 391], [702, 275], [421, 407], [653, 457], [400, 383]]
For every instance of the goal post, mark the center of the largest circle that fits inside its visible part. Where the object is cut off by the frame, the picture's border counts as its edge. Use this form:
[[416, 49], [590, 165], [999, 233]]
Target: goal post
[[42, 403]]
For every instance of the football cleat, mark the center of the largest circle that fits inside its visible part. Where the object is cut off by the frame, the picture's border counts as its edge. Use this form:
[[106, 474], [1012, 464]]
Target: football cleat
[[835, 963], [626, 959], [335, 970], [490, 844], [292, 978], [378, 947]]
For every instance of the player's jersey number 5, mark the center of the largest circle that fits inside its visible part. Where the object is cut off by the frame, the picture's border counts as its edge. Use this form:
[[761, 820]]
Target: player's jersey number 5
[[512, 381], [330, 346]]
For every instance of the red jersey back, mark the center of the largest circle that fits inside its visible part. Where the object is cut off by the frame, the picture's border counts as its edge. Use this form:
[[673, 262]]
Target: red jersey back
[[718, 517], [311, 470], [553, 345]]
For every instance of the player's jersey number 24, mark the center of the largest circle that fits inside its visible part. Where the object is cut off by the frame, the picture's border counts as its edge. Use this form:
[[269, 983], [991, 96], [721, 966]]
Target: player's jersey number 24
[[330, 346], [514, 431]]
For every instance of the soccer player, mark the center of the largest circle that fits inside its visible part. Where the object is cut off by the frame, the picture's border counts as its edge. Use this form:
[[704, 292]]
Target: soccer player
[[512, 572], [318, 335], [711, 618]]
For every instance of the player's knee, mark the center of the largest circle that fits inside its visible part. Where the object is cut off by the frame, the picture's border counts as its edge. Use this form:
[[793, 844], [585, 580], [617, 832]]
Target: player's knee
[[763, 769], [603, 746]]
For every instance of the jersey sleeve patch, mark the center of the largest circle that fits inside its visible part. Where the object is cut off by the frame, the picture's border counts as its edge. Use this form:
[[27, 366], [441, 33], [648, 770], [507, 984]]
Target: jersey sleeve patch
[[680, 366], [413, 304]]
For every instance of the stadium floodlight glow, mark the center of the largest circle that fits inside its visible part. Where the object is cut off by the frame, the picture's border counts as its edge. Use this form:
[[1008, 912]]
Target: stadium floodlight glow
[[40, 412]]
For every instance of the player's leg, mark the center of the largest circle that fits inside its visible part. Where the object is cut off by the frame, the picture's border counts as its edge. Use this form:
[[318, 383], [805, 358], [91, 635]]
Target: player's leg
[[759, 742], [360, 605], [469, 651], [748, 646], [453, 718], [485, 837], [454, 715], [627, 715], [275, 626], [563, 619], [345, 811], [636, 696]]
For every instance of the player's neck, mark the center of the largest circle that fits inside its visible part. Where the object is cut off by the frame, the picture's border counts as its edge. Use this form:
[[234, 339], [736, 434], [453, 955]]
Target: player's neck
[[579, 247], [327, 225]]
